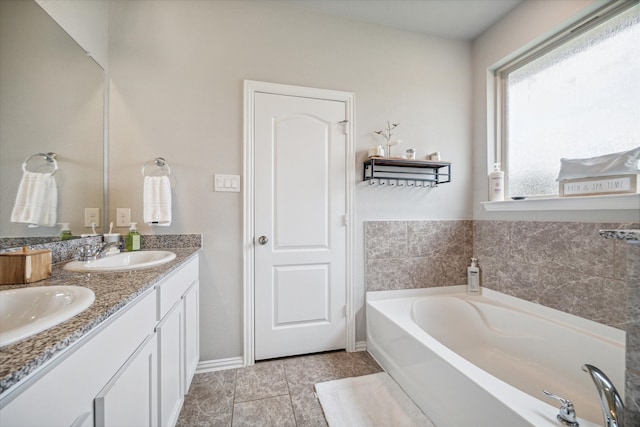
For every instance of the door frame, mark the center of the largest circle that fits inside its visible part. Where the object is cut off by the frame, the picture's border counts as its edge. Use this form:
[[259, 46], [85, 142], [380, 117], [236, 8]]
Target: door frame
[[250, 89]]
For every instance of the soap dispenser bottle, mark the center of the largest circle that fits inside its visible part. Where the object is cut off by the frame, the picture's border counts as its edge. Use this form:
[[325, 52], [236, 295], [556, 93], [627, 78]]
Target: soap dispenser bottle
[[132, 239], [473, 278], [65, 231], [496, 184]]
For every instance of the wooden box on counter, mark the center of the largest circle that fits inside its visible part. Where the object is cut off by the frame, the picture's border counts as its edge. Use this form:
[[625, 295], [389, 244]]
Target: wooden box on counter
[[25, 266]]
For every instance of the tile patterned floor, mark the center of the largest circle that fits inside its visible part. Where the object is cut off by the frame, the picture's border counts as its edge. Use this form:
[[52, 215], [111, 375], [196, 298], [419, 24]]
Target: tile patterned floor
[[271, 393]]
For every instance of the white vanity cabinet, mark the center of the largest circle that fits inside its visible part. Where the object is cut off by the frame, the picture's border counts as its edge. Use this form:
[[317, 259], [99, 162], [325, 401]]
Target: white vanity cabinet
[[63, 393], [132, 370], [174, 339]]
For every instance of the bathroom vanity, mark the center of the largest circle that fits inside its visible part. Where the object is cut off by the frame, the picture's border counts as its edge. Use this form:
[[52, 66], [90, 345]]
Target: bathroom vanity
[[127, 360]]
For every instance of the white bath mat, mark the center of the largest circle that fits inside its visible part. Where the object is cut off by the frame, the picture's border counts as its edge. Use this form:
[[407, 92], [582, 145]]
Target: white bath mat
[[367, 401]]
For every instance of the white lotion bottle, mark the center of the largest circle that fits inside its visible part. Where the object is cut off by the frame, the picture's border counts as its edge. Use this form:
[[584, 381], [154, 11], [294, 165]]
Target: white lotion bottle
[[473, 278], [496, 184]]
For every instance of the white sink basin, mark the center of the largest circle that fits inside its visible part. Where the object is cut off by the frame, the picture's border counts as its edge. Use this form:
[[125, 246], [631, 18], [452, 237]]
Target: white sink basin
[[27, 311], [122, 261]]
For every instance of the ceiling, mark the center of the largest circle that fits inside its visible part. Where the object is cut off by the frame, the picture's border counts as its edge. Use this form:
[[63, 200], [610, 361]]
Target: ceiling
[[457, 19]]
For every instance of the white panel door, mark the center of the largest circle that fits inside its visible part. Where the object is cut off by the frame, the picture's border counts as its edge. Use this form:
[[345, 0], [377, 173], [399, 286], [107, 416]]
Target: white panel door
[[300, 234]]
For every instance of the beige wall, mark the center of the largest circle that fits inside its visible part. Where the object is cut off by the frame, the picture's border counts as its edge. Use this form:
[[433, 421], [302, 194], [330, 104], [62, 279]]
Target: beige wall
[[86, 22], [176, 70]]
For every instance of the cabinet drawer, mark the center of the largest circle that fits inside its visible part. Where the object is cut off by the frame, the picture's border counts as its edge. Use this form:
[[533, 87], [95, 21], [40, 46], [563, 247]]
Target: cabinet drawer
[[171, 289]]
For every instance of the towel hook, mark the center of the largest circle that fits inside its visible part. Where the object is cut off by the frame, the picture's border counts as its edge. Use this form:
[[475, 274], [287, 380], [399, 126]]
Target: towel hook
[[49, 157], [160, 162]]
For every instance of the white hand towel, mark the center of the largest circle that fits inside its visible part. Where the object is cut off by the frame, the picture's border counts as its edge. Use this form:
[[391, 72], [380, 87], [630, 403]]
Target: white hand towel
[[157, 200], [37, 200]]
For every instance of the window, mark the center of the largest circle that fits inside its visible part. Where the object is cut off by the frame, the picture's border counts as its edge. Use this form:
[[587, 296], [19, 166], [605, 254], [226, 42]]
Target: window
[[575, 96]]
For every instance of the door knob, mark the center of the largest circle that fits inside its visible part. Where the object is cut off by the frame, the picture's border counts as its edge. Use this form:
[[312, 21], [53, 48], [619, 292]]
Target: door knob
[[263, 240]]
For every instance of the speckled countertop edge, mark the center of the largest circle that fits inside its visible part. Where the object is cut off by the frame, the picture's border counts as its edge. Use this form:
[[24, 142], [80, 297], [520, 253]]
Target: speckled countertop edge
[[621, 234], [113, 291]]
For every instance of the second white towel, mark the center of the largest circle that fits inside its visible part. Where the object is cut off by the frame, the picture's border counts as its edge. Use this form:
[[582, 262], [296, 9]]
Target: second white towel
[[157, 200], [37, 200]]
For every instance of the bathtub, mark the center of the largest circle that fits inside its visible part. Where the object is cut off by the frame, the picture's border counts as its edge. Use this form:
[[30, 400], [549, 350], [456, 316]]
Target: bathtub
[[484, 360]]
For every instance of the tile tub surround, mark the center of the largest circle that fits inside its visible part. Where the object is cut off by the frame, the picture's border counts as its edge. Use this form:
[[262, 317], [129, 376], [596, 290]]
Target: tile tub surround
[[568, 266], [416, 254], [112, 290], [275, 392], [632, 362], [563, 265], [632, 395]]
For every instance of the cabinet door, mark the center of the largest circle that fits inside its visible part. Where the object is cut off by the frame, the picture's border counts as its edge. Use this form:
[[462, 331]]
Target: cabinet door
[[83, 420], [170, 365], [130, 397], [191, 300]]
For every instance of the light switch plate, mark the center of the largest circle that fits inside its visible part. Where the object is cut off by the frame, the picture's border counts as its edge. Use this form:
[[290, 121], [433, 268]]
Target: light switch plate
[[227, 183]]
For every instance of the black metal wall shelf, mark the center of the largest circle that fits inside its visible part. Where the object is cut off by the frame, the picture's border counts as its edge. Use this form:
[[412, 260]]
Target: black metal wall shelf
[[418, 173]]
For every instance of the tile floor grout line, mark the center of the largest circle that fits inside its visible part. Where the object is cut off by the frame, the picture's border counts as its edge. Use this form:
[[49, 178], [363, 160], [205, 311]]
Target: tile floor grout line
[[286, 379], [262, 398], [233, 401]]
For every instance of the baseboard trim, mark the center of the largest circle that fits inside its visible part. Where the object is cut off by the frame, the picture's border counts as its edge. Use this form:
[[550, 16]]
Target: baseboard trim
[[219, 364], [238, 362], [361, 346]]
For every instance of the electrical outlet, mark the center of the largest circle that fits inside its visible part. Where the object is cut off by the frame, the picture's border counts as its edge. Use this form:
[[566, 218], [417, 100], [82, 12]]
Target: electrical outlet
[[91, 215], [123, 217]]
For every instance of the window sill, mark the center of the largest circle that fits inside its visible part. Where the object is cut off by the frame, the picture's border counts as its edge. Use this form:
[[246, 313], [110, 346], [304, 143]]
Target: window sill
[[578, 203]]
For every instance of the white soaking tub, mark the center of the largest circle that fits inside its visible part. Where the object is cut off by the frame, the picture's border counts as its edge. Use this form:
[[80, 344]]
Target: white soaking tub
[[485, 360]]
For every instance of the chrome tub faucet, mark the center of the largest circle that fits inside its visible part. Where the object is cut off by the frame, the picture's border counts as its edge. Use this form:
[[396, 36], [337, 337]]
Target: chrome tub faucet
[[610, 400], [566, 413]]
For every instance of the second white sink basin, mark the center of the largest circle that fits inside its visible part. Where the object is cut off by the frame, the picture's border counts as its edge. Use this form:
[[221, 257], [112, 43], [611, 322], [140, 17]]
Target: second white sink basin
[[122, 261], [27, 311]]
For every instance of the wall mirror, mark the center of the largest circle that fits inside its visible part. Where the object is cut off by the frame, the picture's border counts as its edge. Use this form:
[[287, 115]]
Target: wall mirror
[[51, 100]]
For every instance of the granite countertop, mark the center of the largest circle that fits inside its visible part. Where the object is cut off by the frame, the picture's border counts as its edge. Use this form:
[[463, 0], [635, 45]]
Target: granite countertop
[[113, 290], [632, 234]]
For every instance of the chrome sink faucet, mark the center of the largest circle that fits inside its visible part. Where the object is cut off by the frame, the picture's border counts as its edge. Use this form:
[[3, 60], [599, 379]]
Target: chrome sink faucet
[[610, 400], [91, 253], [105, 248]]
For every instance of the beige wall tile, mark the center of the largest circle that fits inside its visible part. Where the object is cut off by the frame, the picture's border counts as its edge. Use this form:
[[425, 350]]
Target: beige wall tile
[[385, 239], [569, 245], [564, 265]]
